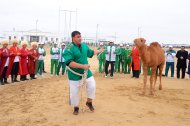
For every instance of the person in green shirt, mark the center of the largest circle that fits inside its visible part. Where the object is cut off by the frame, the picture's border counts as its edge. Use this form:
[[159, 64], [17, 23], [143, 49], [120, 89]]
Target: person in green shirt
[[127, 60], [102, 59], [54, 51], [76, 57], [110, 59], [118, 54], [61, 60], [121, 59], [42, 54]]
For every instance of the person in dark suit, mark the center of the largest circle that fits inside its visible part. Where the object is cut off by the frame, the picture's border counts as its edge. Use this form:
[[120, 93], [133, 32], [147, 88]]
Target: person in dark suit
[[182, 56]]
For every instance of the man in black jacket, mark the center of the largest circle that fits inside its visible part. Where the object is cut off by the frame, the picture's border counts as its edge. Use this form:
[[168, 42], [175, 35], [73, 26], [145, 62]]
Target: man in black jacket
[[182, 56]]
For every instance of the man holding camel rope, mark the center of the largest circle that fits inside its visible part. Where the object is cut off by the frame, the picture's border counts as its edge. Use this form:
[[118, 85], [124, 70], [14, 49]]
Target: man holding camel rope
[[76, 57]]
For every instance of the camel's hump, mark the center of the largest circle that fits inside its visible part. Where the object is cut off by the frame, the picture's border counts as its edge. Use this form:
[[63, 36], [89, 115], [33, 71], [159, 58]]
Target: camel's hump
[[155, 44]]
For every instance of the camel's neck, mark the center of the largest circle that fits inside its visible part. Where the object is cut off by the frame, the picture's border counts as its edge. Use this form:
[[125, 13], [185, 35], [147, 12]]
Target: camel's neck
[[143, 52]]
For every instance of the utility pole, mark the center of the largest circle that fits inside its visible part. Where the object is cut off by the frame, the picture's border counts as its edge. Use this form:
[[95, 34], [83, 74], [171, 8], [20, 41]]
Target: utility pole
[[65, 29], [70, 20], [115, 36], [76, 19], [139, 32], [59, 21], [97, 34]]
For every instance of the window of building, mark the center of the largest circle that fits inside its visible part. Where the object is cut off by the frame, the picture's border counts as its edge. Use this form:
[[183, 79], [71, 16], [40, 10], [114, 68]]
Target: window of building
[[22, 38]]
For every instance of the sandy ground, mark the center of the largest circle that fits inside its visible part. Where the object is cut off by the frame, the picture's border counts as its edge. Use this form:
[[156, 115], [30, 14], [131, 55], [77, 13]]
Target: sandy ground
[[44, 102]]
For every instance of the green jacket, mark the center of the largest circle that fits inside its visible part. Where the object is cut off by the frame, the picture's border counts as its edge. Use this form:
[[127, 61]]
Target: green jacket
[[44, 50], [53, 53], [102, 56], [122, 56], [126, 55], [78, 54]]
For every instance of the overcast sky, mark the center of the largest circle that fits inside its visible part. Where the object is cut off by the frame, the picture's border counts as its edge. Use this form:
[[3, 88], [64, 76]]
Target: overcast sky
[[160, 20]]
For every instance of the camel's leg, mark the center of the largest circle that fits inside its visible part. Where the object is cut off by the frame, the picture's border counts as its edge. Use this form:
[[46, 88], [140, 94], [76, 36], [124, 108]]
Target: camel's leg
[[154, 89], [161, 67], [145, 70], [152, 77]]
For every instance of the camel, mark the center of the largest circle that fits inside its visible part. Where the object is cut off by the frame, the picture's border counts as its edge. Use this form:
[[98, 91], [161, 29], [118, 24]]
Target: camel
[[152, 56]]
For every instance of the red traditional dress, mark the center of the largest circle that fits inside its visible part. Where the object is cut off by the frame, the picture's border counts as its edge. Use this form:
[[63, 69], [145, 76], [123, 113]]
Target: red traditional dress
[[0, 54], [32, 61], [135, 58], [4, 57], [14, 51], [23, 61], [4, 65]]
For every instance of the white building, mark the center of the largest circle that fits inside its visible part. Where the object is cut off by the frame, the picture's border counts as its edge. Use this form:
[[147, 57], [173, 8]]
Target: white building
[[32, 35]]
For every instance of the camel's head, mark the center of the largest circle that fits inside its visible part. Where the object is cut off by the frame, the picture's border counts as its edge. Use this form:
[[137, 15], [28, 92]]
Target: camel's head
[[139, 42]]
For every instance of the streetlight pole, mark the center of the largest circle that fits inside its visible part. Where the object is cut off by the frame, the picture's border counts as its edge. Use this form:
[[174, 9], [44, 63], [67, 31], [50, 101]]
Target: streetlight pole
[[36, 29]]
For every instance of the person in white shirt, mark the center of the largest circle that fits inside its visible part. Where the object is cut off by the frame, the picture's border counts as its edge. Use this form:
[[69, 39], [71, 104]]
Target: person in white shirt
[[170, 54], [110, 58], [54, 51], [42, 54], [61, 60]]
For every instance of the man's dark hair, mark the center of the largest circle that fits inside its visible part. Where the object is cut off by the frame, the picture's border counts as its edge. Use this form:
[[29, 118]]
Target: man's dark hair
[[182, 46], [74, 33]]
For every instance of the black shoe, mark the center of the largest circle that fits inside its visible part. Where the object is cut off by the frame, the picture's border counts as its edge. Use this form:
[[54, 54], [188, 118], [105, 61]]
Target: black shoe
[[12, 81], [76, 111], [26, 79], [90, 106], [34, 78], [44, 72], [1, 83], [16, 81], [5, 81], [22, 79]]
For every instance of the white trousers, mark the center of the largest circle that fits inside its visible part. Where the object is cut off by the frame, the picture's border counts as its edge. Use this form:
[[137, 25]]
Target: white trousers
[[74, 90]]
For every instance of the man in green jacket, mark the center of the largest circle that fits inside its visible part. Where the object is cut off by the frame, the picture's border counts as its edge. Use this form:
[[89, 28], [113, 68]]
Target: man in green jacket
[[118, 53], [61, 60], [54, 51], [102, 59], [42, 54], [76, 57], [127, 60], [121, 59]]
